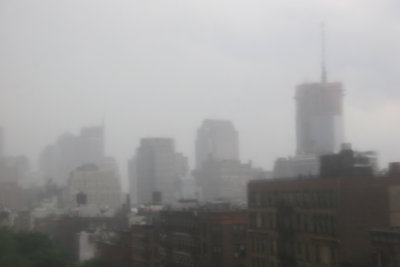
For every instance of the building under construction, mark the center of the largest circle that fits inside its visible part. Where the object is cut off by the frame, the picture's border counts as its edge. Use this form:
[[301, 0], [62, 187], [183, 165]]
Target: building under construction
[[319, 120]]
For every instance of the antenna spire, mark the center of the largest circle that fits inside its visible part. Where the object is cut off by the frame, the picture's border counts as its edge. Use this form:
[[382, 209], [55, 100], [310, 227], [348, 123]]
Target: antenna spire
[[323, 67]]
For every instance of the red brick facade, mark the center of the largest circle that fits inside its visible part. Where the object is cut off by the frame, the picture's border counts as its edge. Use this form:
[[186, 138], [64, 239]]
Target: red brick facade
[[202, 238], [316, 222]]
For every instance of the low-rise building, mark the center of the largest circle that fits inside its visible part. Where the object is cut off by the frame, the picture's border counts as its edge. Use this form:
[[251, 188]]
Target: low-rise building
[[386, 247], [225, 180], [89, 185], [142, 244], [201, 237], [320, 221], [10, 195]]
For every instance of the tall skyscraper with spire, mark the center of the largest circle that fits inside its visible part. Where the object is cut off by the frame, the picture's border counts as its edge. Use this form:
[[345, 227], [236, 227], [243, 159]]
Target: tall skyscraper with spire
[[319, 114], [319, 124]]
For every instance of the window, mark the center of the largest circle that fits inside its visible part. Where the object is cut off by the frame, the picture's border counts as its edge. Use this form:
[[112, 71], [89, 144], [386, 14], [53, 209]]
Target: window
[[252, 199], [270, 221], [271, 247], [264, 220], [252, 219], [317, 254], [307, 253], [258, 220], [333, 255], [257, 199], [299, 250]]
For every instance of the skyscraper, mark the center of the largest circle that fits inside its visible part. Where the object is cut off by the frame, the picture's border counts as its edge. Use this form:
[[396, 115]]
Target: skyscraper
[[319, 122], [319, 108], [216, 139], [1, 142], [92, 144], [132, 176], [71, 151], [319, 125], [158, 171]]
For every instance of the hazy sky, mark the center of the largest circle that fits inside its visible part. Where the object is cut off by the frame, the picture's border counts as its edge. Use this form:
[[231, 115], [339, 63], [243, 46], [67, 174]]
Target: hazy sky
[[158, 68]]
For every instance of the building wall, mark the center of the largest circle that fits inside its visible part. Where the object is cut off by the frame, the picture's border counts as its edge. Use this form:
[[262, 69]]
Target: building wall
[[86, 246], [71, 151], [1, 142], [10, 195], [386, 247], [133, 183], [319, 125], [143, 247], [224, 238], [297, 166], [101, 187], [216, 139], [224, 180], [202, 238], [319, 222], [158, 170]]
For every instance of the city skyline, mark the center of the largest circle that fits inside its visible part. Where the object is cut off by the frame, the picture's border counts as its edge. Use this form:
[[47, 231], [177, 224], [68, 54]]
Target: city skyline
[[232, 66], [192, 133]]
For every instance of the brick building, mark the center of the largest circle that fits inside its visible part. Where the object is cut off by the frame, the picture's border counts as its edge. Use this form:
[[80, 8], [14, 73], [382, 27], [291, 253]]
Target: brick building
[[223, 238], [143, 249], [386, 247], [202, 238], [116, 251], [319, 221], [10, 195]]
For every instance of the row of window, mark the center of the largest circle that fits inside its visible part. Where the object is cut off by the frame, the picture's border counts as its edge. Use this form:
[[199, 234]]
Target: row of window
[[261, 262], [182, 242], [262, 245], [298, 222], [297, 251], [307, 199]]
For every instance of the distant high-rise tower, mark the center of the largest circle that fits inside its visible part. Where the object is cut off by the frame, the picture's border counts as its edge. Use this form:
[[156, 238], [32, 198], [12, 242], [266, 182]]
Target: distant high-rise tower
[[319, 122], [216, 139], [157, 171], [92, 144], [1, 142], [71, 151]]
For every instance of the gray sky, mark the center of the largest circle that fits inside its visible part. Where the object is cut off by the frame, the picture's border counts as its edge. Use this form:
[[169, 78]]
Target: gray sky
[[158, 68]]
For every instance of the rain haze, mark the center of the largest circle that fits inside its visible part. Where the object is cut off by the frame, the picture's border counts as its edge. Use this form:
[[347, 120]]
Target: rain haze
[[158, 68]]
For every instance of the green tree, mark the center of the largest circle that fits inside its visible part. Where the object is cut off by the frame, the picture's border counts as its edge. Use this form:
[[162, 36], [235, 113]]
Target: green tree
[[27, 249]]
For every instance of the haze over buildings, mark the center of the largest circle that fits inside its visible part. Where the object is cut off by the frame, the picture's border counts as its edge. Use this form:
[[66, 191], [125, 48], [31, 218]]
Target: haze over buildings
[[69, 64], [1, 141], [219, 172], [319, 109], [97, 187], [319, 124], [71, 151], [216, 140], [157, 171], [319, 121], [158, 73]]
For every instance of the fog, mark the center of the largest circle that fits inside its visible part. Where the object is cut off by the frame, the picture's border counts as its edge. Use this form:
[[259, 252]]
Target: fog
[[158, 68]]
